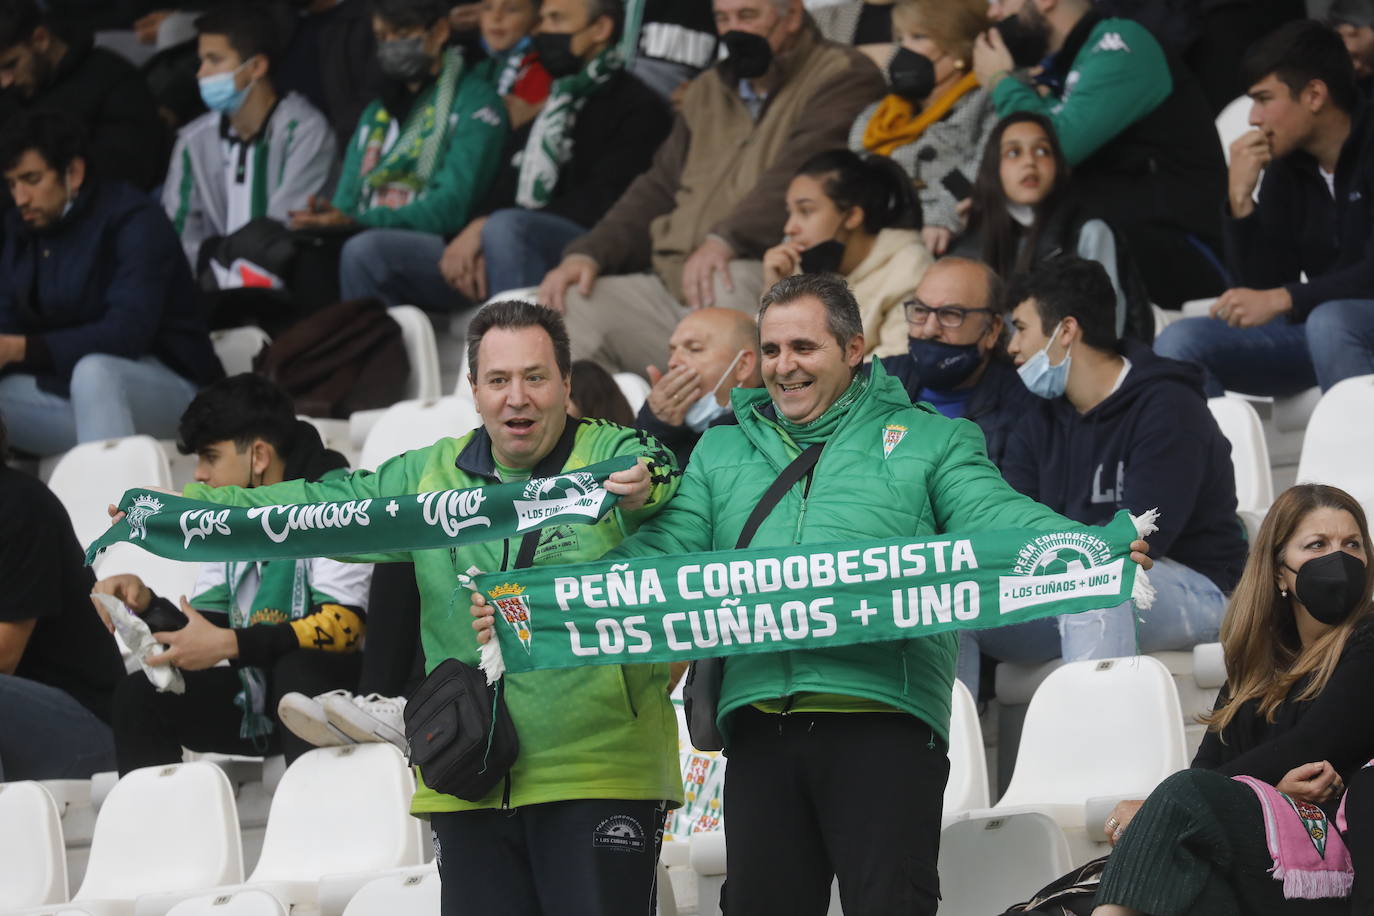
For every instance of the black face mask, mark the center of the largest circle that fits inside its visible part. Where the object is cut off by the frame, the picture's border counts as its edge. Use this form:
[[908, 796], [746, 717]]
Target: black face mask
[[942, 366], [1330, 587], [555, 53], [823, 258], [912, 75], [750, 55], [1027, 42]]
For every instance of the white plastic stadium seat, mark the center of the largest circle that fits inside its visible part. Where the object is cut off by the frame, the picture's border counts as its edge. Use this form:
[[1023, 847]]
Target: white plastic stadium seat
[[247, 902], [1240, 424], [168, 578], [1340, 435], [421, 348], [635, 389], [236, 347], [1096, 729], [416, 424], [336, 810], [414, 892], [91, 476], [139, 847], [35, 870], [989, 862], [967, 787]]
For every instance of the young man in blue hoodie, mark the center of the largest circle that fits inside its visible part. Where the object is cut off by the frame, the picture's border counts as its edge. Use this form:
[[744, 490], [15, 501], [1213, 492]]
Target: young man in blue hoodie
[[1115, 427]]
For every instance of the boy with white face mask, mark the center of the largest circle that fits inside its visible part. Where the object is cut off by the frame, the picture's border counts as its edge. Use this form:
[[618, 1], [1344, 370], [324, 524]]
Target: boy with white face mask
[[711, 351], [1114, 427], [255, 153]]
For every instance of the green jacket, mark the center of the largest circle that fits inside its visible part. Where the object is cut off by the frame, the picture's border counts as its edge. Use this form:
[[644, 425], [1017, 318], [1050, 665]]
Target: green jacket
[[467, 163], [935, 479], [1118, 76], [602, 731]]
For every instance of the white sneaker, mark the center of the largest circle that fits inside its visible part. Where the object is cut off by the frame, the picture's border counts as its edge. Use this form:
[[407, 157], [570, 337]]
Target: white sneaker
[[305, 717], [370, 718]]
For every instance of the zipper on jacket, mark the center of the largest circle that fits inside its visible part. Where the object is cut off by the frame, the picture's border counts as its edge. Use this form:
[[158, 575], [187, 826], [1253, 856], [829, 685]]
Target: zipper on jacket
[[505, 794], [505, 553]]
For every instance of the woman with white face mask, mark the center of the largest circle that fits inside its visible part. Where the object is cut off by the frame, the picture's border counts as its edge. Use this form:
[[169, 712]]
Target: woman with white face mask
[[1024, 211], [859, 217]]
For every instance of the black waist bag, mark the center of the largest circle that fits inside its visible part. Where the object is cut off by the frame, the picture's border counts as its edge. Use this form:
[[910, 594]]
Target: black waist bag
[[460, 733]]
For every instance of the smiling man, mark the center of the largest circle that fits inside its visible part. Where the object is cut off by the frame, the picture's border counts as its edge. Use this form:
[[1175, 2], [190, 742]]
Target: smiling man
[[597, 744], [1277, 333], [796, 722]]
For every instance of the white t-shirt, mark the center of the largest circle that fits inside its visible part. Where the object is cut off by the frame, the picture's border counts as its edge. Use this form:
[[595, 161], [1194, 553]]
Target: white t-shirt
[[1330, 179]]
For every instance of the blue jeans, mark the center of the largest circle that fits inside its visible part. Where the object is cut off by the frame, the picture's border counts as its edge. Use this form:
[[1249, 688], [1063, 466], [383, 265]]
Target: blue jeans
[[111, 397], [1187, 610], [1279, 358], [520, 246], [399, 267], [45, 734]]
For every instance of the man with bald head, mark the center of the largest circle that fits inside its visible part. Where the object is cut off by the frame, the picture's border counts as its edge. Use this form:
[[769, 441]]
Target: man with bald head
[[956, 359], [712, 350]]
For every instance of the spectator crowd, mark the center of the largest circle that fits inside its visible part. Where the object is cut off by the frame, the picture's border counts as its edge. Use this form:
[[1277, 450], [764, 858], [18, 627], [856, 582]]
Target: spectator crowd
[[1007, 229]]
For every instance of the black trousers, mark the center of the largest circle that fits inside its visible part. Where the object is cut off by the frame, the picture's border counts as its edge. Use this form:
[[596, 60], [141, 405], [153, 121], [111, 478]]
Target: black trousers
[[813, 796], [593, 857], [1359, 839], [393, 664], [151, 728]]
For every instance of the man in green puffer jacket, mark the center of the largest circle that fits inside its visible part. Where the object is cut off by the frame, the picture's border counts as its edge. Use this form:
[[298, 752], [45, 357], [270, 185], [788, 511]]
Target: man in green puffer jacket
[[573, 830], [837, 756]]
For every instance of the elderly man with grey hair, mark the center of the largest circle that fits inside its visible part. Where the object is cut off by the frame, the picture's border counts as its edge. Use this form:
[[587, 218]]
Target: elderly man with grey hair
[[690, 231]]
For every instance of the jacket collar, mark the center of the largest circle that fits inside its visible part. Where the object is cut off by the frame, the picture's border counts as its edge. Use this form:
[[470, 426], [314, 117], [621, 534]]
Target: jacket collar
[[476, 459], [1057, 71]]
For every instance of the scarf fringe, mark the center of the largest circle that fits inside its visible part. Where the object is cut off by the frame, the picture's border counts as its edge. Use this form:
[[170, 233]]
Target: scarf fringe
[[1303, 884], [493, 665], [1142, 592]]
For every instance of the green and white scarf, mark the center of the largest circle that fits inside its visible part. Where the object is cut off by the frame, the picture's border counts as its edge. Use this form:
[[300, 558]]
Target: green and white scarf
[[550, 144], [778, 599], [252, 699], [415, 154], [189, 529]]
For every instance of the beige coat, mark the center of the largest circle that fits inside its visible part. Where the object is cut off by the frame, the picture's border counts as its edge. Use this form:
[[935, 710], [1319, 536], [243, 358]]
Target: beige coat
[[721, 173], [882, 282]]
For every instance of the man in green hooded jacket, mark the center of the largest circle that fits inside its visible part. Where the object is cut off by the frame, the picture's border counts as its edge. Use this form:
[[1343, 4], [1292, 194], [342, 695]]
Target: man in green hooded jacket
[[838, 757]]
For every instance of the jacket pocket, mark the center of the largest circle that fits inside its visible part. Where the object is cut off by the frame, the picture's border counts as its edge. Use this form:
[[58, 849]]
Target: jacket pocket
[[626, 694]]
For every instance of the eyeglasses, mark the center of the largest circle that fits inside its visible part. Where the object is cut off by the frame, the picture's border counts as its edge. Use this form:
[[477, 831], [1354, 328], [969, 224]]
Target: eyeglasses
[[949, 316]]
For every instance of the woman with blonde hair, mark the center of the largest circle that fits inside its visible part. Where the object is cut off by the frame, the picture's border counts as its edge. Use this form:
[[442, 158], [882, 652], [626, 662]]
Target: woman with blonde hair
[[1236, 833], [936, 118]]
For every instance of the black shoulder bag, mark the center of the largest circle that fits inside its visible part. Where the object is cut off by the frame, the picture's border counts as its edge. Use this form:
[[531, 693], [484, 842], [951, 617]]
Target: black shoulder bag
[[701, 690], [460, 732]]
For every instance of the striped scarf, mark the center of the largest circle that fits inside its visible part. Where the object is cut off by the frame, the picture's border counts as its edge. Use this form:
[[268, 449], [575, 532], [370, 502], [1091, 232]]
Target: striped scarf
[[550, 144]]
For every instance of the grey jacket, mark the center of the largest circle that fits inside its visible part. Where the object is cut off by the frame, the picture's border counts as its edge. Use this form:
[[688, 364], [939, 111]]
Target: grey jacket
[[954, 142], [293, 159]]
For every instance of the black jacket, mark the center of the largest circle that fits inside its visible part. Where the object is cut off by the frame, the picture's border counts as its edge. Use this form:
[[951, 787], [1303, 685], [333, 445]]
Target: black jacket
[[1297, 226], [680, 440], [109, 278], [614, 139], [997, 403], [332, 61], [1152, 444], [108, 97], [1165, 170]]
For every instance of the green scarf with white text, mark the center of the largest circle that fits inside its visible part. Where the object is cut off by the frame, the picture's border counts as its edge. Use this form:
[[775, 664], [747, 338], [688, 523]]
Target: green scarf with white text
[[775, 599]]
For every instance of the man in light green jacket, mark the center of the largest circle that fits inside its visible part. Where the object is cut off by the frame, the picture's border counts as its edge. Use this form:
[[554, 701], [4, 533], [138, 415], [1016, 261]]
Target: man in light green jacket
[[837, 756], [573, 829]]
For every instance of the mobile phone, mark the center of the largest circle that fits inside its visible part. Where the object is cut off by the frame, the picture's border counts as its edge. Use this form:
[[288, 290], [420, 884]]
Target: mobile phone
[[956, 184]]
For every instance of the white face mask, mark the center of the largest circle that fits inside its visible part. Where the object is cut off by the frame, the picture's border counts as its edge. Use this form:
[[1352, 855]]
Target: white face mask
[[706, 409]]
